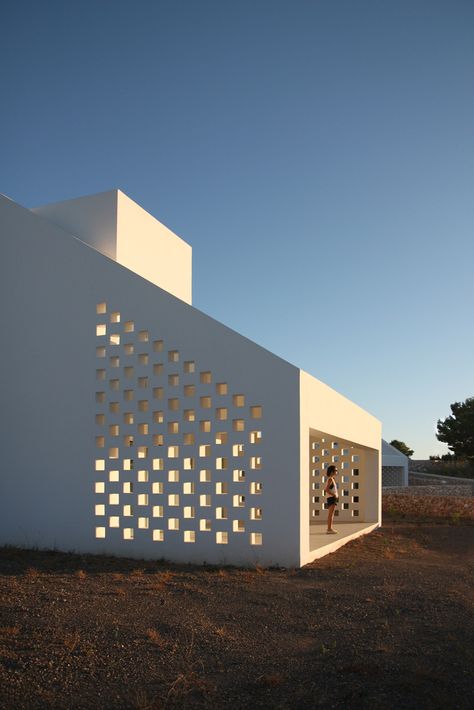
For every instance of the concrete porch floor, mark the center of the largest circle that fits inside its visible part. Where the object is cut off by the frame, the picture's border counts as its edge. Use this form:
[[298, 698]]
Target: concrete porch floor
[[320, 543]]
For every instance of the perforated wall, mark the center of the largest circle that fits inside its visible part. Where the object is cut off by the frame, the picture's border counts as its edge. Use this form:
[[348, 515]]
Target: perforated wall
[[177, 452], [349, 461]]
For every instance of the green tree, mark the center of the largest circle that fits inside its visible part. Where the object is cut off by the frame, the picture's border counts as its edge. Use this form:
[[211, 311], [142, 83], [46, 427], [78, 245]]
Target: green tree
[[402, 447], [457, 430]]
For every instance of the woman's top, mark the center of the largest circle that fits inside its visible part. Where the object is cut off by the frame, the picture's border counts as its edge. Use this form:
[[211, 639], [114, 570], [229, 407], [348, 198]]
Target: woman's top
[[333, 488]]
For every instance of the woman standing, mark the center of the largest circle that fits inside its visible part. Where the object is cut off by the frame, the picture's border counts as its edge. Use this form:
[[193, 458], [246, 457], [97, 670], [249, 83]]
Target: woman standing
[[332, 497]]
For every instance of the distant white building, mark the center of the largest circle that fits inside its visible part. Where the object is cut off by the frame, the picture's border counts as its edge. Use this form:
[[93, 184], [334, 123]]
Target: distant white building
[[394, 466], [134, 424]]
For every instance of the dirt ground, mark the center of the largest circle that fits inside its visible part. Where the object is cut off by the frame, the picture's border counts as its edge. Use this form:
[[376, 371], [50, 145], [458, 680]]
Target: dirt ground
[[385, 622]]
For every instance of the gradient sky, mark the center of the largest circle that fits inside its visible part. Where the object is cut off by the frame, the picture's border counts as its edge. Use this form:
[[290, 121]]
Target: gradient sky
[[317, 154]]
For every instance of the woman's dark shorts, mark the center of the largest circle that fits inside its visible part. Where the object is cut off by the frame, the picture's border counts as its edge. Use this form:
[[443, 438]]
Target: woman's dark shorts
[[332, 500]]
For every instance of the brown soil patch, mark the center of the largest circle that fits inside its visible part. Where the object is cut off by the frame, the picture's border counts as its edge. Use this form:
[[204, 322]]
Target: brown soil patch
[[385, 622]]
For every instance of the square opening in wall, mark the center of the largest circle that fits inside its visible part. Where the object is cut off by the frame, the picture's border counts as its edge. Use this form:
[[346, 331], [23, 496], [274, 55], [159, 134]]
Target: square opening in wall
[[255, 437], [188, 487], [100, 464], [157, 346], [128, 440], [143, 382], [128, 511], [222, 538], [238, 400], [100, 397], [221, 388], [173, 380], [173, 524], [256, 412], [114, 430], [129, 349], [128, 371], [157, 488], [128, 533], [173, 404], [100, 442], [128, 418], [157, 369], [205, 402], [114, 476], [189, 463], [101, 308], [114, 521], [189, 366], [100, 419], [100, 532], [142, 452], [114, 499], [205, 500], [158, 464], [239, 501], [238, 476], [189, 415], [238, 424], [205, 525], [115, 317], [205, 378], [157, 511], [204, 450], [256, 513], [100, 352], [129, 326], [113, 452], [114, 339], [127, 487], [221, 513], [101, 329], [128, 395], [158, 392], [99, 487], [173, 452], [143, 405], [142, 499], [173, 355], [222, 488], [238, 450], [205, 475], [158, 440], [256, 462], [158, 417], [189, 512], [143, 336], [143, 476], [256, 488], [189, 390], [173, 476], [221, 413], [143, 523], [158, 535], [188, 439], [100, 509], [173, 427], [221, 463], [173, 499], [100, 374], [189, 536], [256, 538], [205, 425], [221, 438], [238, 526]]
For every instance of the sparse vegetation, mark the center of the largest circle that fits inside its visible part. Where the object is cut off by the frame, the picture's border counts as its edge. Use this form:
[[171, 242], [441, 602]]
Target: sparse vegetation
[[363, 627]]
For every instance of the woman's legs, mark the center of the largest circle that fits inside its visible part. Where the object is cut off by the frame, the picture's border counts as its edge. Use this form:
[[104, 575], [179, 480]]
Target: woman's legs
[[331, 510]]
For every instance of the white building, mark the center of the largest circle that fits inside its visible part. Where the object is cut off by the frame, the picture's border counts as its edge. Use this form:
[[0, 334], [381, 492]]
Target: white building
[[394, 466], [134, 424]]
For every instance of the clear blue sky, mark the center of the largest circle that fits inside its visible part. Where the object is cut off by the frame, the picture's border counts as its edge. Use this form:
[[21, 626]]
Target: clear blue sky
[[317, 154]]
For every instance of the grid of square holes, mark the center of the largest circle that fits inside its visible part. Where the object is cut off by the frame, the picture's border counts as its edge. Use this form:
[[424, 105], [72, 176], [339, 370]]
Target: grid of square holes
[[348, 460], [177, 452]]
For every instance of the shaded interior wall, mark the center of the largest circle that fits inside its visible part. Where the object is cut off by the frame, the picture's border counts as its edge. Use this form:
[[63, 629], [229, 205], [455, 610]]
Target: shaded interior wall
[[51, 438]]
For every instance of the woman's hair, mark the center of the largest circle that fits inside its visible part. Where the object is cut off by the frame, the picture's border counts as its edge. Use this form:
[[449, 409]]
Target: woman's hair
[[331, 470]]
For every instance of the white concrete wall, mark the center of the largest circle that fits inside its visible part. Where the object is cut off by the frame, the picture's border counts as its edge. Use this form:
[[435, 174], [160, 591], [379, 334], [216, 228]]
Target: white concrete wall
[[116, 226], [51, 284], [324, 410]]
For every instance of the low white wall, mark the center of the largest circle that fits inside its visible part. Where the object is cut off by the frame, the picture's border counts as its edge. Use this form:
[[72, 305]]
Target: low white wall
[[51, 284]]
